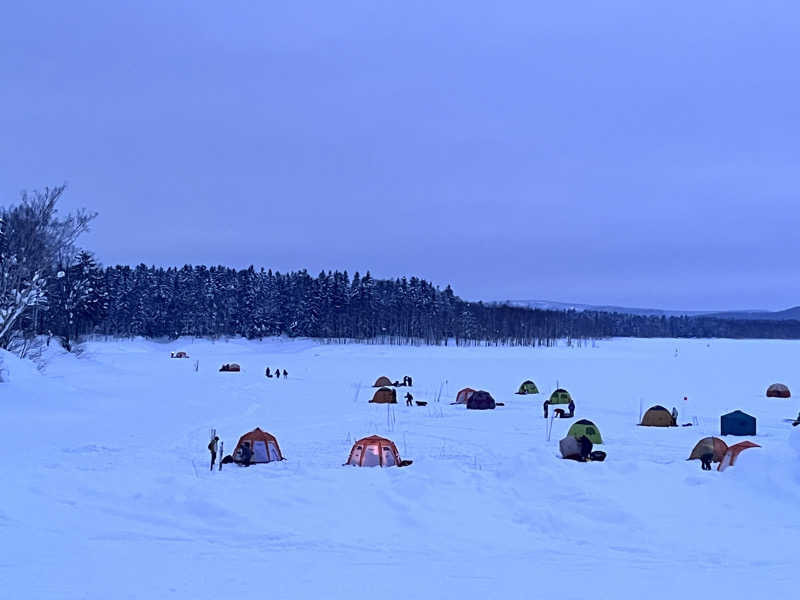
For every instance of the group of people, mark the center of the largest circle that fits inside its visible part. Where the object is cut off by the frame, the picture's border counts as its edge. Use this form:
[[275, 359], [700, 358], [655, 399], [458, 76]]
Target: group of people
[[277, 373], [560, 412]]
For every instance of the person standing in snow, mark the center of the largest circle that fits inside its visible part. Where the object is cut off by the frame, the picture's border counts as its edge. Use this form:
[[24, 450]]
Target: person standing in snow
[[277, 373], [571, 407], [268, 374], [545, 405], [212, 447], [285, 373], [674, 416], [409, 398]]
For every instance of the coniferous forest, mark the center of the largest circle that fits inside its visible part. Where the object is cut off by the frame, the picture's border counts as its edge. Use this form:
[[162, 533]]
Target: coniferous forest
[[50, 286]]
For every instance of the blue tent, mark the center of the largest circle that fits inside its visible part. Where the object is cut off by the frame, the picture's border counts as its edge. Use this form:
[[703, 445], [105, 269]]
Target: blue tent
[[737, 423]]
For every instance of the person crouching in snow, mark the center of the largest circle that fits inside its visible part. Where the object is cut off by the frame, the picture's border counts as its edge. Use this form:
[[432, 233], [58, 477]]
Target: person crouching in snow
[[586, 447]]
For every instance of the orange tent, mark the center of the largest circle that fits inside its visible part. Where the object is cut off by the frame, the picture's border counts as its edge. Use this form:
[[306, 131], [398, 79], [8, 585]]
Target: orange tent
[[263, 445], [709, 445], [733, 452], [374, 451], [464, 395]]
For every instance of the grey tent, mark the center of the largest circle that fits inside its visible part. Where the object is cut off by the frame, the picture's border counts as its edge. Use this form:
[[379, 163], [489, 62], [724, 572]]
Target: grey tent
[[570, 447]]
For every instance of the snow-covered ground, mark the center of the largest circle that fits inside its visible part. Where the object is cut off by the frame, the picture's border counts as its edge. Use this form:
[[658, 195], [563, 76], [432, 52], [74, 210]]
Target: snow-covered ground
[[107, 492]]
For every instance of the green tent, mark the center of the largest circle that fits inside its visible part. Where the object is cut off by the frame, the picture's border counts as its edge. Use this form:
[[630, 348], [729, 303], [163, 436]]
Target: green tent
[[587, 428], [560, 397], [528, 387]]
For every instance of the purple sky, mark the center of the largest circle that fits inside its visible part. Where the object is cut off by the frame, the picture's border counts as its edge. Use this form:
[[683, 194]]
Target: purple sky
[[630, 153]]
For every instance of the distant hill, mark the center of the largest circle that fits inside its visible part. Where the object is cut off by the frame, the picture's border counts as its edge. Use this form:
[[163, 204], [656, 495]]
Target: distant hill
[[788, 314]]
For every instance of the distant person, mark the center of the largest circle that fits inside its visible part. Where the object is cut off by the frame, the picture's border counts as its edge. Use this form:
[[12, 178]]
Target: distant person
[[212, 447], [246, 454], [409, 398], [586, 447], [285, 374], [268, 374], [705, 461], [277, 373], [545, 405], [571, 407], [674, 416], [409, 381], [396, 384]]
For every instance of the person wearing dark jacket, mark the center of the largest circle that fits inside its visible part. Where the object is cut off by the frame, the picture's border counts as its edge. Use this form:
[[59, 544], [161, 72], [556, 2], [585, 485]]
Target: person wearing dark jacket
[[212, 447], [705, 461], [277, 373], [409, 398], [586, 447], [268, 374], [545, 405], [571, 407], [246, 454], [285, 373]]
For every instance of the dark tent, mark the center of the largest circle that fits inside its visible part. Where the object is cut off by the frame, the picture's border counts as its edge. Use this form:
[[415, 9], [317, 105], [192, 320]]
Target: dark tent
[[385, 396], [480, 401], [737, 423], [778, 390]]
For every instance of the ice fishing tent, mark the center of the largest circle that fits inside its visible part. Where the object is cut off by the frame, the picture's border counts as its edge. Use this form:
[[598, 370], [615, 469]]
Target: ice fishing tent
[[560, 396], [374, 451], [385, 396], [464, 395], [230, 368], [778, 390], [382, 381], [709, 445], [733, 452], [737, 423], [263, 445], [657, 416], [587, 428], [179, 354], [528, 387], [481, 400], [570, 447]]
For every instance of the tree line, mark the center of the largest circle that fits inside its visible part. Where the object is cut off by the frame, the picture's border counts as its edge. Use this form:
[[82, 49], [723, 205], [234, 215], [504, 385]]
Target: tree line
[[51, 287]]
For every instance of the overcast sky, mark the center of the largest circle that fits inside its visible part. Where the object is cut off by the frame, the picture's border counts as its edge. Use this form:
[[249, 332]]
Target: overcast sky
[[633, 153]]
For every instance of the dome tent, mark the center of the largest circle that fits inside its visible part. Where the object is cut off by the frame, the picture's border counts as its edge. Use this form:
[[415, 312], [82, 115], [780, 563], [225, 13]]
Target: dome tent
[[385, 396], [709, 445], [778, 390], [528, 387], [587, 428], [230, 368], [737, 423], [263, 445], [560, 396], [481, 400], [733, 452], [382, 381], [464, 395], [375, 451], [657, 416]]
